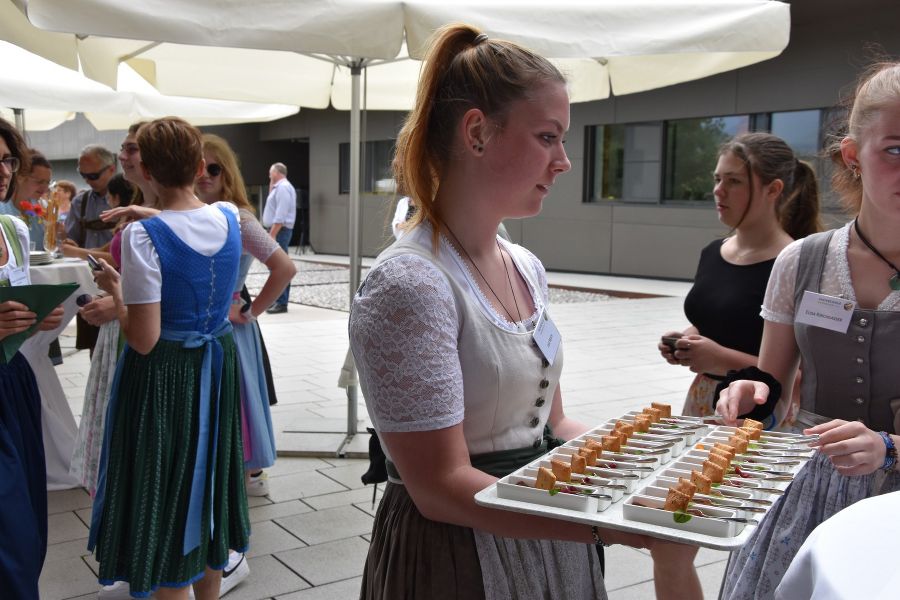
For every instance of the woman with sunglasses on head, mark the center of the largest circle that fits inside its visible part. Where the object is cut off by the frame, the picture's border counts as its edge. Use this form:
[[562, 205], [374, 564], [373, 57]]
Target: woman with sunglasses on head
[[23, 497], [849, 354], [170, 500], [222, 181]]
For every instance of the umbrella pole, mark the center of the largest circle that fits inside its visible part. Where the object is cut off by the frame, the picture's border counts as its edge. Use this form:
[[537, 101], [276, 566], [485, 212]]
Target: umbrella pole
[[20, 119], [355, 71]]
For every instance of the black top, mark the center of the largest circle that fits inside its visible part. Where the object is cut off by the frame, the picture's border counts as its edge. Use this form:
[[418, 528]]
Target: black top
[[724, 303]]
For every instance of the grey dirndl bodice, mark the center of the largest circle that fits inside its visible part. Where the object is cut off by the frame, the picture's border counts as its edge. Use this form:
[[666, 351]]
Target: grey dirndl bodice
[[852, 376]]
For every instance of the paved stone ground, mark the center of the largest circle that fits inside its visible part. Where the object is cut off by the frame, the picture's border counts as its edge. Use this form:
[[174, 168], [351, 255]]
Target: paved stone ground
[[310, 535]]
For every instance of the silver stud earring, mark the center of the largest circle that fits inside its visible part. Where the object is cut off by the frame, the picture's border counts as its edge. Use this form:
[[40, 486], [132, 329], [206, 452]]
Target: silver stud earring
[[477, 147]]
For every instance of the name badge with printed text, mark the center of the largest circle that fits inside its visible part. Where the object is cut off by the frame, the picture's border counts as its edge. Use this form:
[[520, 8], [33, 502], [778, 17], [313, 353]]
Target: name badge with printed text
[[828, 312], [547, 337], [18, 276]]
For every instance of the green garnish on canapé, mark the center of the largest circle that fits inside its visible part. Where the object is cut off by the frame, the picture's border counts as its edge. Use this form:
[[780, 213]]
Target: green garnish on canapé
[[553, 491], [679, 516]]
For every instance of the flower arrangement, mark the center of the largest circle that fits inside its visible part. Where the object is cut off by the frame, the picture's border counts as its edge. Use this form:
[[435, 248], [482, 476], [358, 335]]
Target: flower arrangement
[[32, 210]]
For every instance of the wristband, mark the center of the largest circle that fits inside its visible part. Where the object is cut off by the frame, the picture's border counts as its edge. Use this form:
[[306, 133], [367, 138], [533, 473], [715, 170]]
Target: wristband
[[597, 539], [890, 452]]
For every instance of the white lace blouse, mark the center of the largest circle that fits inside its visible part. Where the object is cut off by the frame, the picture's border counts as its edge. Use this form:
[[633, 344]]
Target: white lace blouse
[[404, 330], [778, 304]]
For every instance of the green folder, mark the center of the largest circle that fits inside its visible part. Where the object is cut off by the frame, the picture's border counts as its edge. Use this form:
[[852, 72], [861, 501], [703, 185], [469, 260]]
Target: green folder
[[41, 300]]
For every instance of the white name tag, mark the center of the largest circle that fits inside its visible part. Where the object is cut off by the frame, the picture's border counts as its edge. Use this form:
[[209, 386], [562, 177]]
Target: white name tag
[[547, 337], [18, 276], [828, 312]]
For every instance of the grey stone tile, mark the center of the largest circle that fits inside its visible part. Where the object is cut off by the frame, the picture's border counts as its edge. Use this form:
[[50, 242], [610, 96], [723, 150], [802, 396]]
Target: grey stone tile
[[342, 498], [267, 538], [267, 512], [339, 590], [710, 581], [64, 550], [326, 563], [367, 507], [84, 515], [268, 577], [301, 485], [327, 525], [66, 578], [348, 475], [254, 501], [287, 465], [626, 566], [66, 500], [64, 527]]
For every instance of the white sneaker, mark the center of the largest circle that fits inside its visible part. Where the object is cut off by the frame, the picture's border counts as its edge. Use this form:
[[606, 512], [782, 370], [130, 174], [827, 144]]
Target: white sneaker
[[237, 570], [120, 590], [116, 591], [258, 485]]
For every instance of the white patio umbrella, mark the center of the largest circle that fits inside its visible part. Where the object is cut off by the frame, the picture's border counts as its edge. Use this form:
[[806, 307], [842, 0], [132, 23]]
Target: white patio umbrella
[[52, 94], [624, 46]]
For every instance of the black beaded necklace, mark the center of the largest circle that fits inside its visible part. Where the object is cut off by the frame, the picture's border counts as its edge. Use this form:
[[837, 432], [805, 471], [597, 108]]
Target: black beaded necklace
[[483, 278], [894, 281]]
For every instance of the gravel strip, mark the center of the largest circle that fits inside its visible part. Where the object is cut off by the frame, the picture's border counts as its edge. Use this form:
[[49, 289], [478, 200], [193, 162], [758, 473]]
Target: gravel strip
[[327, 286]]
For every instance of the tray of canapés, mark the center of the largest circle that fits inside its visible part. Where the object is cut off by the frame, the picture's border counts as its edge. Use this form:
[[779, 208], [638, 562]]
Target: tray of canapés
[[679, 478]]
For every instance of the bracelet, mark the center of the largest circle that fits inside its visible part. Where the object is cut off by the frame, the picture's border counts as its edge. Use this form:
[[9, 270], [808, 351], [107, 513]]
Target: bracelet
[[890, 452], [597, 539]]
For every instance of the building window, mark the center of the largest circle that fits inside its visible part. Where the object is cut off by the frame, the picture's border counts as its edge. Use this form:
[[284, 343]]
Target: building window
[[801, 129], [377, 176], [623, 162], [605, 162], [691, 149]]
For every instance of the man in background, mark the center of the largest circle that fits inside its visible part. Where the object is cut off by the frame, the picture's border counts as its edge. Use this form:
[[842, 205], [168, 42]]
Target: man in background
[[84, 228], [279, 216]]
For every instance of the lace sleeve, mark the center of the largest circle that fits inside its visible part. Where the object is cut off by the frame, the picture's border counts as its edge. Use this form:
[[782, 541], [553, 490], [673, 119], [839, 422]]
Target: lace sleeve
[[778, 304], [254, 238], [403, 332]]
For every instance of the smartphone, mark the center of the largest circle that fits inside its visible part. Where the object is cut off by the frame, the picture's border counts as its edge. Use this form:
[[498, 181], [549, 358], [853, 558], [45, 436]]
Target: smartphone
[[95, 266], [669, 340]]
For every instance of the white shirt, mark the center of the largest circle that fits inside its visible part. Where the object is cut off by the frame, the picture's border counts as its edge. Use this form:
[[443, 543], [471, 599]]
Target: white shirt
[[204, 229]]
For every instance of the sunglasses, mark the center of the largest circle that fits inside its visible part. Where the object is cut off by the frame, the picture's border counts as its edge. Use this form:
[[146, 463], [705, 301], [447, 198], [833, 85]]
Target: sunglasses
[[92, 176], [214, 170]]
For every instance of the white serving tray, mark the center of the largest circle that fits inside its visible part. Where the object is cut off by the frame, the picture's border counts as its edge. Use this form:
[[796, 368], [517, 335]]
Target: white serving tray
[[649, 487]]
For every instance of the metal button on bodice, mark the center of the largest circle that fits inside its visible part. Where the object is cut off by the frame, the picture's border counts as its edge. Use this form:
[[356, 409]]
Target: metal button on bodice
[[859, 380], [863, 322], [859, 400], [539, 402], [544, 384], [535, 421], [859, 360], [860, 339]]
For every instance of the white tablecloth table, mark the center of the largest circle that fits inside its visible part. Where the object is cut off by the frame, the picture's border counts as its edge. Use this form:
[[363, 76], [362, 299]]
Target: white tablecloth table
[[851, 555], [58, 423]]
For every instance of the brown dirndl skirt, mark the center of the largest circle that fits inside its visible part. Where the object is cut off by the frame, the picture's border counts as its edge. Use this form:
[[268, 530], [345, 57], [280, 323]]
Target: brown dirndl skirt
[[413, 557]]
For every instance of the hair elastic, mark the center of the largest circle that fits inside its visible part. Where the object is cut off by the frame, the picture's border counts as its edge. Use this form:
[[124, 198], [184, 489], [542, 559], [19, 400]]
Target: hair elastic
[[481, 37]]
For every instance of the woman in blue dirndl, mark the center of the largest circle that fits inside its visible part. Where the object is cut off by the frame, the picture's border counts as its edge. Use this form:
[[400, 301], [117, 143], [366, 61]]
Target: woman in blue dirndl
[[170, 500]]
